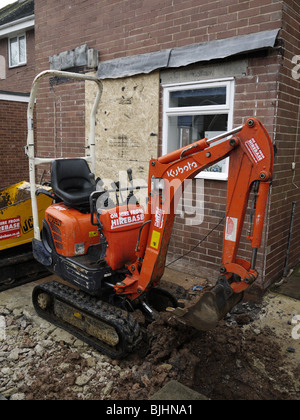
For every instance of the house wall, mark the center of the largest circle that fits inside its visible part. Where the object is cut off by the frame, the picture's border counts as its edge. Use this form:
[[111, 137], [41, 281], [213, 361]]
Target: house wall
[[127, 125], [286, 185], [256, 83], [119, 28], [13, 115], [263, 89], [61, 118], [13, 130]]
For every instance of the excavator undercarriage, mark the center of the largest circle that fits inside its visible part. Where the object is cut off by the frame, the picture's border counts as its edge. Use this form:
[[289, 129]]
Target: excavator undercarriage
[[110, 330]]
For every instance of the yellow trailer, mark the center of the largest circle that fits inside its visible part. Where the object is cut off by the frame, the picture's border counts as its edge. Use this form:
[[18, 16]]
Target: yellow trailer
[[17, 264]]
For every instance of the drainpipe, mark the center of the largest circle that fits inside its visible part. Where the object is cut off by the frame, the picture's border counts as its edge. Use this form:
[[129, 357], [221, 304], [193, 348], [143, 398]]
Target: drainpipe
[[286, 263]]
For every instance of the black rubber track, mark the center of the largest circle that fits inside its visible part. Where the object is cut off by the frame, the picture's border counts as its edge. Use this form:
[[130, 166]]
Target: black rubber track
[[124, 324]]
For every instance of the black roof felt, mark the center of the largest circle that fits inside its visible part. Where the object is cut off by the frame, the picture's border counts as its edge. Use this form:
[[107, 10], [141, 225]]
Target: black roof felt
[[16, 11]]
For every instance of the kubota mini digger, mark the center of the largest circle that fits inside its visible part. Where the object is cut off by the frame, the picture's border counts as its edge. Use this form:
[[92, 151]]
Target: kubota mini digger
[[114, 253]]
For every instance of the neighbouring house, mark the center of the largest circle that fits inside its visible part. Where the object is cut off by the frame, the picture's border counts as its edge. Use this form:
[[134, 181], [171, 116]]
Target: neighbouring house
[[17, 70], [175, 71]]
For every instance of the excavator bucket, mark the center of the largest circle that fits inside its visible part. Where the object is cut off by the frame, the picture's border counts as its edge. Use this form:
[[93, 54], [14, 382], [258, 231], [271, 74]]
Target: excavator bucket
[[206, 310]]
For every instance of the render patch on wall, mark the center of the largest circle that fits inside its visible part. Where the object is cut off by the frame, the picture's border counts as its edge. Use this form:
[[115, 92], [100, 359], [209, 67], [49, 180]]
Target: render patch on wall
[[80, 56], [127, 125]]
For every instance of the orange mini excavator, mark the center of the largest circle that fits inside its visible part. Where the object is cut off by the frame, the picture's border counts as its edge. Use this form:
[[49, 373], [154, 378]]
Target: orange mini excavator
[[114, 253]]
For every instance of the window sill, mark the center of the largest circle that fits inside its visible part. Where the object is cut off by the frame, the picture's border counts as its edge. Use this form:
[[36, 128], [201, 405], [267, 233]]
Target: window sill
[[212, 176], [17, 65]]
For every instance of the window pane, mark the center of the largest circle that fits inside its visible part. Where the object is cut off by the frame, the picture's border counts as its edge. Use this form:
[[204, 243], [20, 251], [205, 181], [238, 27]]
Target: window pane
[[14, 52], [198, 97], [22, 49], [184, 130]]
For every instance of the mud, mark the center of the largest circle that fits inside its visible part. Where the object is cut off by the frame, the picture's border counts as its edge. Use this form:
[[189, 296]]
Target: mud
[[251, 355], [7, 200]]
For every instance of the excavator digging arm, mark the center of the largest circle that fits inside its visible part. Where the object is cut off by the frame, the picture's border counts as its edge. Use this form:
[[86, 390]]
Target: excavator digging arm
[[250, 168]]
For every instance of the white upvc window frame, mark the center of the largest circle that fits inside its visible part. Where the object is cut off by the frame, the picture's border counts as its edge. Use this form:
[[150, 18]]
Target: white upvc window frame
[[20, 63], [227, 108]]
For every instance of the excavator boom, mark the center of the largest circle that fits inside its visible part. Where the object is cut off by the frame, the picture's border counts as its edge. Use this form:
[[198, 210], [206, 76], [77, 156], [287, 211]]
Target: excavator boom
[[250, 168]]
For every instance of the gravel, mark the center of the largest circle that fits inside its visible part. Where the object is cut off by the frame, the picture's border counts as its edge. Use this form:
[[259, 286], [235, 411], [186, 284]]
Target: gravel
[[40, 361], [250, 355]]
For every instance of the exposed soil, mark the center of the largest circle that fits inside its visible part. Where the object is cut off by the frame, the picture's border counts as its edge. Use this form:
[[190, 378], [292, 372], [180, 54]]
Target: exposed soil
[[227, 363]]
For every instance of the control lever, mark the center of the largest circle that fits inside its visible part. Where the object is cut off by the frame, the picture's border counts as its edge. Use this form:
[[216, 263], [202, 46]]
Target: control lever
[[129, 173], [130, 178]]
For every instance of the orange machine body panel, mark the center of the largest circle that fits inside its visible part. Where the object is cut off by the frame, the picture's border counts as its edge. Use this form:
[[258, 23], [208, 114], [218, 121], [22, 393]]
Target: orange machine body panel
[[121, 226], [73, 233]]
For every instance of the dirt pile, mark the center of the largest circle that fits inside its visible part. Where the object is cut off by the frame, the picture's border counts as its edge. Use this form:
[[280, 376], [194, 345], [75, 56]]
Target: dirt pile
[[227, 363]]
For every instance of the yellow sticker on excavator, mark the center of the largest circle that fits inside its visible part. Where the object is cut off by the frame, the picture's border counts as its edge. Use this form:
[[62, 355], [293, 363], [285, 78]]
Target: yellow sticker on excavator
[[93, 234], [155, 239]]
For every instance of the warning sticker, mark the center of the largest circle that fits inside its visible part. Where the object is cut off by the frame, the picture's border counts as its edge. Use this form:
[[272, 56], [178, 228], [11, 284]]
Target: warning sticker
[[231, 229], [255, 150], [155, 239], [10, 228]]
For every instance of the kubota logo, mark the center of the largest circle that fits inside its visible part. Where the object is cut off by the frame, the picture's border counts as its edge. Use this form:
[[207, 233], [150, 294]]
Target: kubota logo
[[173, 173]]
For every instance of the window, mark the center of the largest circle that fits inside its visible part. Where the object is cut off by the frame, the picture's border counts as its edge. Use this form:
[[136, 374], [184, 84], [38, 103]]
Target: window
[[194, 111], [17, 51]]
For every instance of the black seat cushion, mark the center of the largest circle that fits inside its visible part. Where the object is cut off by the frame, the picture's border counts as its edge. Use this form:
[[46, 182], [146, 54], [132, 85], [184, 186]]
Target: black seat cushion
[[71, 182]]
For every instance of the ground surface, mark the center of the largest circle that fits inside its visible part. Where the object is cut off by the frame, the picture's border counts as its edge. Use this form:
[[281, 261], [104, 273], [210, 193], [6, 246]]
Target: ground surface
[[253, 354]]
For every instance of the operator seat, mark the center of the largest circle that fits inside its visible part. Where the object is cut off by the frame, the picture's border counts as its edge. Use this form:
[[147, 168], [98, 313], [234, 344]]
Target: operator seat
[[71, 182]]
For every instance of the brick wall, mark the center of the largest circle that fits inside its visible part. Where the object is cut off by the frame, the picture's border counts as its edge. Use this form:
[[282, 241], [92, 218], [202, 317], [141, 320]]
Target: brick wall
[[120, 28], [286, 186], [60, 121], [13, 130]]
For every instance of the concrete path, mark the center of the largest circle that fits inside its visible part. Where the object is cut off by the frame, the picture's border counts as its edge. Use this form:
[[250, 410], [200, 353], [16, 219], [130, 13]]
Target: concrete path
[[175, 391]]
